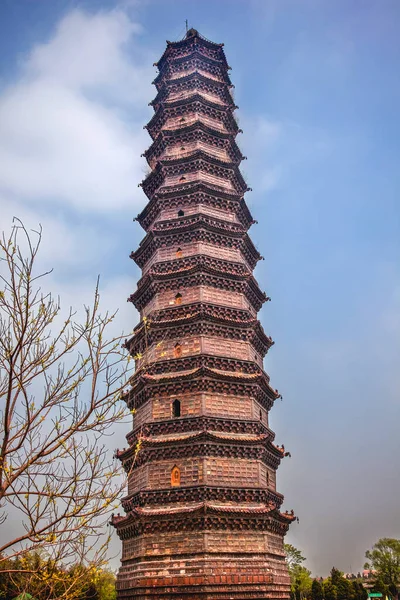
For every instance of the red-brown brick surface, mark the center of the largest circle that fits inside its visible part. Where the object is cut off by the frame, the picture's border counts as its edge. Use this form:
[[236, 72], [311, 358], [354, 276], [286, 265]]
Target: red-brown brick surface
[[203, 516]]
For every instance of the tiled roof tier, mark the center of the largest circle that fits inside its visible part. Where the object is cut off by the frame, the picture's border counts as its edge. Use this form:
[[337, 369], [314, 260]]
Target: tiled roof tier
[[197, 104], [198, 228], [203, 516], [187, 44], [201, 443], [187, 363], [200, 323], [201, 494], [201, 274], [145, 385], [195, 132], [193, 81], [199, 162], [197, 196], [192, 62], [199, 423]]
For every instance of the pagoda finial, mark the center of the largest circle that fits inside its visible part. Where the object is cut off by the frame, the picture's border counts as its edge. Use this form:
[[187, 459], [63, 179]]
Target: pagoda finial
[[191, 32]]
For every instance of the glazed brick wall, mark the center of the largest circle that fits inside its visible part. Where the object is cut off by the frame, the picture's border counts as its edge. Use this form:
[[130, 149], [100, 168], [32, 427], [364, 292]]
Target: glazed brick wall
[[175, 151], [260, 413], [138, 480], [165, 544], [196, 294], [189, 93], [191, 404], [226, 347], [275, 544], [170, 253], [142, 414], [237, 407], [267, 477], [237, 541], [198, 403], [193, 209], [232, 472], [193, 542], [189, 119], [192, 346], [198, 176], [192, 472]]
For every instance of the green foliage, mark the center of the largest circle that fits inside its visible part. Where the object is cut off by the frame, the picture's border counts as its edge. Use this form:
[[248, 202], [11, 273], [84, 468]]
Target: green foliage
[[301, 582], [36, 576], [293, 556], [300, 577], [385, 560], [317, 592], [330, 591]]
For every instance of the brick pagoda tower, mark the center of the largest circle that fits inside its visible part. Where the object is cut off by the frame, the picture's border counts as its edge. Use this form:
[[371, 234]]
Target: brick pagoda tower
[[202, 511]]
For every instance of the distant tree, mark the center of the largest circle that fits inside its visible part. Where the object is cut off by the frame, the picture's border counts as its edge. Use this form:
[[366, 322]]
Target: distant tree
[[51, 581], [294, 556], [330, 591], [385, 560], [317, 592], [301, 583], [60, 382], [358, 591]]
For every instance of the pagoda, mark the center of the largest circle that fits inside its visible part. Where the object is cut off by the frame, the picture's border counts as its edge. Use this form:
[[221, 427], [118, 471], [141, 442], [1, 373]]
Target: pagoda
[[202, 513]]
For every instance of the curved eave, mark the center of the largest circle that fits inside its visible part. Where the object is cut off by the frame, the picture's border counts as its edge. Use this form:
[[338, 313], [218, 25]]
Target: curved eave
[[187, 79], [250, 331], [153, 208], [156, 123], [142, 380], [166, 136], [190, 41], [191, 225], [154, 181], [169, 105], [194, 55]]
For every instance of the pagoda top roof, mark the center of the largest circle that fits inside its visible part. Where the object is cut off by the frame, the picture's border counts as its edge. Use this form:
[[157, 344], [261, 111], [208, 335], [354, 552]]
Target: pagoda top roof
[[190, 36]]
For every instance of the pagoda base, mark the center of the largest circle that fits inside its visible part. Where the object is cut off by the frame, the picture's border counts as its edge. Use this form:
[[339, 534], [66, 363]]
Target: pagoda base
[[204, 577]]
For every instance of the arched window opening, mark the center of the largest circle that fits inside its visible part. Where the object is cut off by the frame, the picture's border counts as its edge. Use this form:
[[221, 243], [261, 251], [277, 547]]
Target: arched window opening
[[176, 408], [181, 213], [178, 298], [178, 350], [183, 178], [183, 120], [179, 253], [182, 147], [175, 477]]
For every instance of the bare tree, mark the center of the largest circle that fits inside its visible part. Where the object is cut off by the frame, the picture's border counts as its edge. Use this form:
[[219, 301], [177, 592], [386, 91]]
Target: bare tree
[[60, 385]]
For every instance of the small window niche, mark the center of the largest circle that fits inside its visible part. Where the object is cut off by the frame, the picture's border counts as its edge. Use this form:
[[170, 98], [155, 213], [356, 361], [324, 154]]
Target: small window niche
[[177, 350], [179, 253], [176, 408], [183, 178], [178, 298], [175, 477], [260, 415], [181, 213]]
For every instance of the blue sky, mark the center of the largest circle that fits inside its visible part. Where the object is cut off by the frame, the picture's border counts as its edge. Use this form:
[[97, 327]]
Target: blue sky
[[318, 91]]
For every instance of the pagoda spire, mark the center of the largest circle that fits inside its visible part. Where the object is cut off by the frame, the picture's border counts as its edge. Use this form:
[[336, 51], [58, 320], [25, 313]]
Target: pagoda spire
[[203, 515]]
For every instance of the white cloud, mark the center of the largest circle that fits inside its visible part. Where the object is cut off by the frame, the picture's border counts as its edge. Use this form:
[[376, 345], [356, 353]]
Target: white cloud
[[70, 128]]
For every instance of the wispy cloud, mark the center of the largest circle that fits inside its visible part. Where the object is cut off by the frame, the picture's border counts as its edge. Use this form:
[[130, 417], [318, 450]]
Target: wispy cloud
[[66, 136]]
